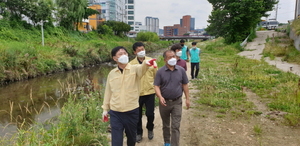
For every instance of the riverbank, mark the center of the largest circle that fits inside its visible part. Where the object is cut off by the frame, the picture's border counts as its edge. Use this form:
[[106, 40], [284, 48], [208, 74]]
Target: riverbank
[[235, 101], [23, 56]]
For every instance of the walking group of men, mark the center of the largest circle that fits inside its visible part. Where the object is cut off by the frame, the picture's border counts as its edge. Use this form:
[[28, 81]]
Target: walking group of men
[[133, 85]]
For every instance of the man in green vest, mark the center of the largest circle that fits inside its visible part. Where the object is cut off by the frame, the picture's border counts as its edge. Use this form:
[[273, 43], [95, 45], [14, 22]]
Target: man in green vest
[[185, 51]]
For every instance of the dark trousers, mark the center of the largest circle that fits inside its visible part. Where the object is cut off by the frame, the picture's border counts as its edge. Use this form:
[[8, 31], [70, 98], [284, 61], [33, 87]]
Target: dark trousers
[[194, 73], [148, 101], [171, 118], [120, 121]]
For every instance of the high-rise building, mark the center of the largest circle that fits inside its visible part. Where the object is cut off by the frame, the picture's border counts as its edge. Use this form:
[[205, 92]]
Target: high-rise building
[[187, 25], [168, 30], [192, 27], [112, 9], [152, 24], [130, 16]]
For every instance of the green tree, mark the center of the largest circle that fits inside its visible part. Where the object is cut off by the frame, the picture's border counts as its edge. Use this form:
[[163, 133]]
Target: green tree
[[147, 36], [119, 28], [71, 12], [39, 10], [104, 29], [89, 12], [235, 19], [35, 10]]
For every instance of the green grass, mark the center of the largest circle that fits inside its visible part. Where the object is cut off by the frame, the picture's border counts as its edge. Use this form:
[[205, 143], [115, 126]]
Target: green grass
[[79, 123], [257, 130], [22, 55], [223, 74], [281, 47]]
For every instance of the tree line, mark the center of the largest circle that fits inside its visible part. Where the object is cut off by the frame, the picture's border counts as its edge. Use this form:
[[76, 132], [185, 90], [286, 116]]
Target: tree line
[[65, 13], [234, 20]]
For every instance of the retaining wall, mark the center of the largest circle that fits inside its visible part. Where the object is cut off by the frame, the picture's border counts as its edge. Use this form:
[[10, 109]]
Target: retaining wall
[[296, 39]]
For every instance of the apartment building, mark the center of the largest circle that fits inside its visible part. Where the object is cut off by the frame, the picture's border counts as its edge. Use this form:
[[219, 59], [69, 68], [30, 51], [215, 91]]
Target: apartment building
[[112, 9], [186, 26], [93, 21], [130, 16], [152, 24]]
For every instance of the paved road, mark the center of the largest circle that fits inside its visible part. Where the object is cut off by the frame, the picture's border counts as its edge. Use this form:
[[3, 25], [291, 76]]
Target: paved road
[[255, 49]]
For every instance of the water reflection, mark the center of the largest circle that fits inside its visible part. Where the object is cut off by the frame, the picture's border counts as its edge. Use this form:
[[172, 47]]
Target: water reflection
[[39, 99]]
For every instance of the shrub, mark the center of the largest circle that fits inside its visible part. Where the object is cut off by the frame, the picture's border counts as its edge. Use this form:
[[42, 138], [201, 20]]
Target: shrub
[[147, 36]]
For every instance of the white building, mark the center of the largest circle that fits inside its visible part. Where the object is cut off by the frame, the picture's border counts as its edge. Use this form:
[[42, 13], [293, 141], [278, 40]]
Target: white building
[[138, 27], [112, 9], [130, 16], [152, 24]]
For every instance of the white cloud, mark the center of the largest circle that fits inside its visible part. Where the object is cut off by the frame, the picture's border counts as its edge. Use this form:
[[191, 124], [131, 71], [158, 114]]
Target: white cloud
[[170, 12]]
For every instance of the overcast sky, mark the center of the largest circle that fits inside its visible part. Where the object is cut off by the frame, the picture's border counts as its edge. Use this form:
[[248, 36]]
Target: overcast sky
[[170, 12]]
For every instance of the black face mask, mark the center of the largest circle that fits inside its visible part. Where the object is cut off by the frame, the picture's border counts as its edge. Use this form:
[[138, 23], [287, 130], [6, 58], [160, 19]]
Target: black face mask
[[182, 45]]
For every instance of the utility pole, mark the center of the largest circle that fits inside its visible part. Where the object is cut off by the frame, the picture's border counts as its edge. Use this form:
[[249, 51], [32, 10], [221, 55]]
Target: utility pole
[[42, 28], [276, 12], [296, 9]]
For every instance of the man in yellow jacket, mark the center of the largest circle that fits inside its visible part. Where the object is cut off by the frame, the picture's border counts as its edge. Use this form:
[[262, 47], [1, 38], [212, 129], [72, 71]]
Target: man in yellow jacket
[[121, 96], [147, 93]]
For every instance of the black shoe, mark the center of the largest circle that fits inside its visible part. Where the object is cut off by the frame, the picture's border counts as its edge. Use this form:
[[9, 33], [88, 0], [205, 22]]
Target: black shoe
[[139, 138], [150, 135]]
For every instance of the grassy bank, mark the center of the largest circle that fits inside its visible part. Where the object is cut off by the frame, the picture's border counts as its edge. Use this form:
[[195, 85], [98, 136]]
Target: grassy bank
[[23, 56], [224, 76], [281, 46]]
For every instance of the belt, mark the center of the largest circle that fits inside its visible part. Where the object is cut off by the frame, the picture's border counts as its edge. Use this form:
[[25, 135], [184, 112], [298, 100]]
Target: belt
[[172, 99]]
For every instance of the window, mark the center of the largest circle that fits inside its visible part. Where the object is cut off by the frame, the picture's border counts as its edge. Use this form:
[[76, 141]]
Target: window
[[130, 12], [130, 22], [130, 1], [130, 7], [130, 18], [131, 28], [103, 11]]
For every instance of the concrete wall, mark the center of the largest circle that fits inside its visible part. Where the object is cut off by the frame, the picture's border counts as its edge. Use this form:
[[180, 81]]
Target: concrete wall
[[296, 39]]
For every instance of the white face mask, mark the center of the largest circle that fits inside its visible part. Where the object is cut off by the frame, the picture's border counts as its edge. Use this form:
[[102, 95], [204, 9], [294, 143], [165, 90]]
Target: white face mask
[[123, 59], [172, 61], [141, 54], [179, 53]]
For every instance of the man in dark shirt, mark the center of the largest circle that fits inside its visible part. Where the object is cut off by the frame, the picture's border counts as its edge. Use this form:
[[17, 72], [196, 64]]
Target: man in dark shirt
[[169, 83], [177, 49]]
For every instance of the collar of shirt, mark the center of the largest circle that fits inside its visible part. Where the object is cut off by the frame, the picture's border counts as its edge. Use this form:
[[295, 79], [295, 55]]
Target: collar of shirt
[[119, 69], [166, 68], [140, 62]]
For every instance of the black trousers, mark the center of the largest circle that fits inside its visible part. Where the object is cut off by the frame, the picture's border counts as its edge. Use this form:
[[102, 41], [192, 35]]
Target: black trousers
[[148, 101], [121, 121], [194, 73]]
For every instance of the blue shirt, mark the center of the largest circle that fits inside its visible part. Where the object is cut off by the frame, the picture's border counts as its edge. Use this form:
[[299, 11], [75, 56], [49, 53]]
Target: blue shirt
[[195, 55], [184, 50]]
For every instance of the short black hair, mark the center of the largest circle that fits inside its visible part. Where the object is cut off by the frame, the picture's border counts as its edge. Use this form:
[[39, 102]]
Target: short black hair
[[194, 43], [137, 44], [164, 54], [116, 49], [176, 47], [182, 41]]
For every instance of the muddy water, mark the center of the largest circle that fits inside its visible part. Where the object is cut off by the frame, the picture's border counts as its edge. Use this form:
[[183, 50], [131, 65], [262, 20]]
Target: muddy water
[[41, 98]]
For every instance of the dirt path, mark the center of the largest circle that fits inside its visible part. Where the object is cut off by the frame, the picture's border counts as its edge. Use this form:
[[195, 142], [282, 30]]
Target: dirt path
[[201, 127], [256, 47], [158, 136]]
